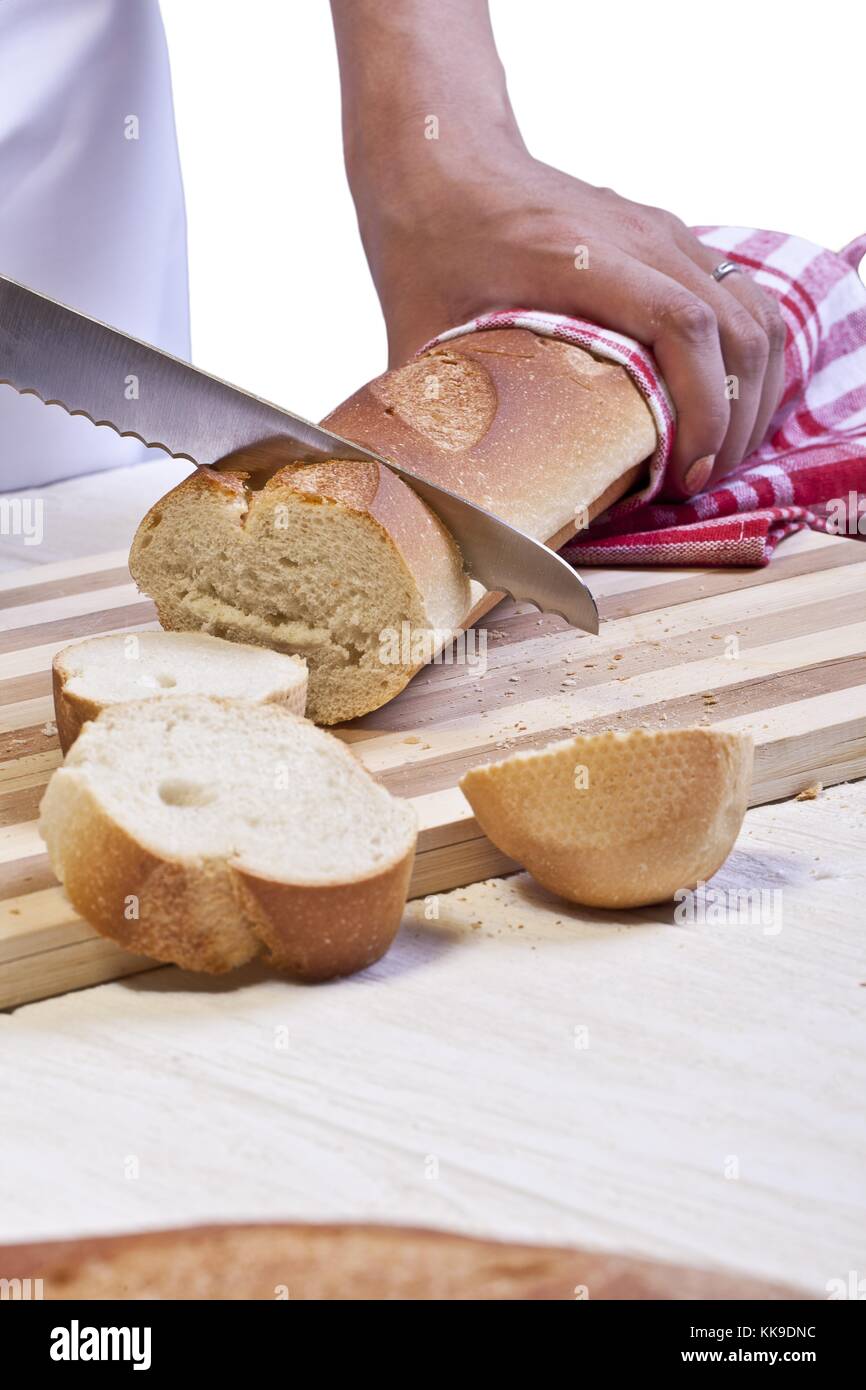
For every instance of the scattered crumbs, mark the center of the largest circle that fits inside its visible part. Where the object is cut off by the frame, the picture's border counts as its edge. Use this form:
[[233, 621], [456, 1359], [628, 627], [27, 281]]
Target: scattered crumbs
[[709, 698], [413, 738], [617, 656], [49, 729], [590, 665], [568, 681], [514, 678], [810, 793]]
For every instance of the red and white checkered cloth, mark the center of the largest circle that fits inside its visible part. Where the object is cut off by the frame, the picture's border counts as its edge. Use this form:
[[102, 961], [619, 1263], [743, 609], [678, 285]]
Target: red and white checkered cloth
[[814, 452]]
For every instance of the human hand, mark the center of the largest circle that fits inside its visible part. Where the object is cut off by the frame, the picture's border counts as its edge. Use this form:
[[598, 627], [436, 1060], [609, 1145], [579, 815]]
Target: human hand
[[468, 221]]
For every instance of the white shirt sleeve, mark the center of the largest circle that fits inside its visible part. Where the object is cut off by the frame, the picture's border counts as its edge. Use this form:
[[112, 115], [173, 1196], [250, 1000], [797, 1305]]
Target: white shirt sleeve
[[91, 201]]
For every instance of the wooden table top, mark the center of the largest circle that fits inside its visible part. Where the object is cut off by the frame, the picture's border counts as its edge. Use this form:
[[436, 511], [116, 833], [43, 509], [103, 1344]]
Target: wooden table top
[[514, 1067]]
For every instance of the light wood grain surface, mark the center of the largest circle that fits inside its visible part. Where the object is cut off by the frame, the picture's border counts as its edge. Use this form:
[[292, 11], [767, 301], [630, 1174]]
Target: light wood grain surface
[[514, 1067], [779, 653]]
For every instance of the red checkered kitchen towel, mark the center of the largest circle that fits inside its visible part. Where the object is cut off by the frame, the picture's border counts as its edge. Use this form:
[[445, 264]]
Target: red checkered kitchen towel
[[810, 469]]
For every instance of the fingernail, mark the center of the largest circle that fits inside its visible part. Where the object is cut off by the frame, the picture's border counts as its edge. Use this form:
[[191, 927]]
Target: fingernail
[[698, 474]]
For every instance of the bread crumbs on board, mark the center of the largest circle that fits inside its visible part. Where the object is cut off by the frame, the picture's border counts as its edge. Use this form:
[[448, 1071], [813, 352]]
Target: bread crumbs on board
[[810, 793]]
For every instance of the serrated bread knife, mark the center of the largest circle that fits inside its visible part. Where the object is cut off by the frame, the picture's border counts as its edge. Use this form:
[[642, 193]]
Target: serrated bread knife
[[68, 359]]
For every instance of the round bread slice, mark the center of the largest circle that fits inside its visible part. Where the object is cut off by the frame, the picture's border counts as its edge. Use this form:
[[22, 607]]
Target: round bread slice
[[207, 832], [618, 819], [102, 671]]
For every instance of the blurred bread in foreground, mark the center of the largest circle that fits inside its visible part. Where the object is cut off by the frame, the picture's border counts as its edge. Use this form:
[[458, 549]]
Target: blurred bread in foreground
[[304, 1262]]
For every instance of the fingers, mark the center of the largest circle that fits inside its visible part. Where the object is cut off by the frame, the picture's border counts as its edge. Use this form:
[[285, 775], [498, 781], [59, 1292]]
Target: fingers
[[765, 313], [681, 328], [745, 351], [721, 351], [689, 354]]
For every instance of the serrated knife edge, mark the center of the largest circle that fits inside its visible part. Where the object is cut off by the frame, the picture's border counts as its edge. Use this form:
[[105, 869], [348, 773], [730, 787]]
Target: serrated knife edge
[[90, 369]]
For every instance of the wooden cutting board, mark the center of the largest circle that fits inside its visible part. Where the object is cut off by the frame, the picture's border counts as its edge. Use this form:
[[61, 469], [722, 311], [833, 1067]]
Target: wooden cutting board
[[780, 652]]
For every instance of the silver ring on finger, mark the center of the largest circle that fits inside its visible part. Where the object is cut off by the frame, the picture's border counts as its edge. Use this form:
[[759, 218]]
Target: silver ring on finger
[[726, 268]]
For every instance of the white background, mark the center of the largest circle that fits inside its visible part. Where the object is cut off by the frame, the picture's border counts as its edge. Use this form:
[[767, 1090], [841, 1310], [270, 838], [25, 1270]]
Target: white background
[[745, 113]]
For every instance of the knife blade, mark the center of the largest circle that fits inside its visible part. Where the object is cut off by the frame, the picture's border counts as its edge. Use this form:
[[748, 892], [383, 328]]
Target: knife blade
[[69, 359]]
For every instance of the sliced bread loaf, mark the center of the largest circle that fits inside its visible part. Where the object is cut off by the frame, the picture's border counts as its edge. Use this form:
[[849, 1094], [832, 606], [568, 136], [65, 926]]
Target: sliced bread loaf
[[207, 832], [618, 819], [110, 670], [343, 563]]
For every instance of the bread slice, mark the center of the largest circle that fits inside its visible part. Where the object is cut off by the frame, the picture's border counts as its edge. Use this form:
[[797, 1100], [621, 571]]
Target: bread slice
[[314, 562], [342, 563], [618, 819], [333, 1262], [207, 832], [109, 670]]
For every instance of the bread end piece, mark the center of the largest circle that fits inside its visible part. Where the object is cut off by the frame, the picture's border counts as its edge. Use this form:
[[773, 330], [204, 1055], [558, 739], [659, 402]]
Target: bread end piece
[[618, 820]]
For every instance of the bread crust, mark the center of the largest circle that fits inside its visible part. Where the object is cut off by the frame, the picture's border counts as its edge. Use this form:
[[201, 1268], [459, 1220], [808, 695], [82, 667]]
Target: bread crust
[[566, 429], [71, 712], [316, 932], [357, 1262]]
